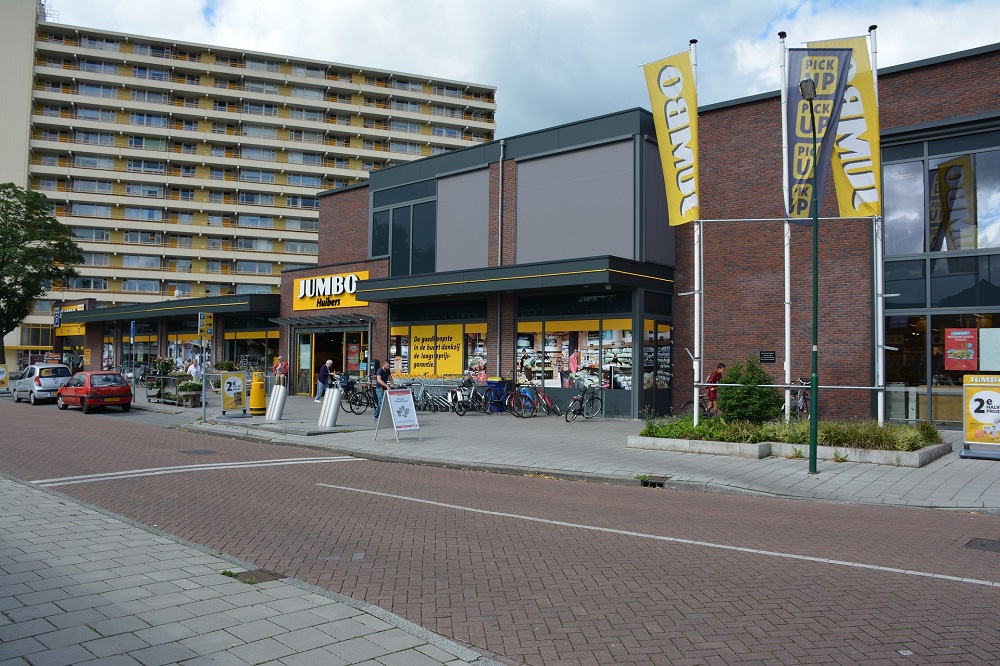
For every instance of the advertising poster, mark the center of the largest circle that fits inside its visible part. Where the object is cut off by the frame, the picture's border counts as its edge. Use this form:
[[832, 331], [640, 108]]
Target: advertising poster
[[400, 405], [3, 378], [233, 393], [961, 349], [982, 409], [353, 357]]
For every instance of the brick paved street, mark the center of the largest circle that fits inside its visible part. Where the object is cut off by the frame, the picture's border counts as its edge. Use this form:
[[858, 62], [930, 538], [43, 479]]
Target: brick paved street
[[539, 571]]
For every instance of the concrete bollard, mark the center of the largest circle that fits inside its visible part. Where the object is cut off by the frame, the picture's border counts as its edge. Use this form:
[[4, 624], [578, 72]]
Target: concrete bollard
[[329, 409], [276, 403]]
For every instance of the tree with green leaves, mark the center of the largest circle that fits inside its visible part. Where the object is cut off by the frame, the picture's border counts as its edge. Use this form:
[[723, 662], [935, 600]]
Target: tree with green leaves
[[35, 251], [749, 401]]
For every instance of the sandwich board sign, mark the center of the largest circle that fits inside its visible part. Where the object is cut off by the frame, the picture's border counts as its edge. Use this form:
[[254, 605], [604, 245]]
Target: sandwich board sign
[[397, 405]]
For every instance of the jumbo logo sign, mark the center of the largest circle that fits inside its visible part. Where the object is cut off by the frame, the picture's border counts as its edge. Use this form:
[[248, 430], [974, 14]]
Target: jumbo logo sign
[[328, 291]]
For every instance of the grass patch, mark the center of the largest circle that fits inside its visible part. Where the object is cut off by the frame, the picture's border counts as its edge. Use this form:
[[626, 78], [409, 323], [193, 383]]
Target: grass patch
[[854, 434]]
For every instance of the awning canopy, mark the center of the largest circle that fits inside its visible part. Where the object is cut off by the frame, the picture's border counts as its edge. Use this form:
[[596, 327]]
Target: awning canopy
[[331, 320]]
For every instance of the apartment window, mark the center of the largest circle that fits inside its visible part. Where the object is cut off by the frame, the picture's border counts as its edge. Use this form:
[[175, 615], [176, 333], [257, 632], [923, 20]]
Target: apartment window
[[304, 180], [145, 214], [261, 87], [216, 244], [185, 218], [48, 183], [301, 247], [300, 224], [147, 143], [179, 288], [223, 106], [308, 136], [190, 79], [256, 176], [144, 190], [181, 265], [89, 162], [260, 131], [98, 67], [212, 289], [256, 244], [403, 126], [306, 70], [218, 220], [213, 266], [447, 132], [257, 198], [88, 283], [142, 286], [148, 119], [413, 86], [260, 109], [143, 238], [218, 151], [404, 147], [184, 194], [94, 90], [188, 172], [403, 105], [447, 111], [150, 73], [222, 128], [52, 111], [150, 50], [368, 165], [308, 93], [189, 125], [150, 96], [302, 202], [343, 99], [216, 196], [307, 114], [145, 166], [96, 258], [440, 150], [96, 235], [90, 210], [217, 174], [253, 267], [91, 113], [99, 43], [95, 186], [256, 221], [297, 157], [341, 163], [257, 65], [242, 289], [337, 182], [94, 138], [140, 261], [448, 91], [188, 148], [255, 153]]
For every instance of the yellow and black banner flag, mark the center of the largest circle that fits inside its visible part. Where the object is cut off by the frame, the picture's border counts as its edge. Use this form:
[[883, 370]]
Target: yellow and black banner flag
[[674, 101]]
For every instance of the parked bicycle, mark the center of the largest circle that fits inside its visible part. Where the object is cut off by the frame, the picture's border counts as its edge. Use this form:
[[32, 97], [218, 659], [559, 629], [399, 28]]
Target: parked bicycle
[[495, 398], [588, 404], [704, 406], [545, 403], [521, 402], [800, 399], [364, 398]]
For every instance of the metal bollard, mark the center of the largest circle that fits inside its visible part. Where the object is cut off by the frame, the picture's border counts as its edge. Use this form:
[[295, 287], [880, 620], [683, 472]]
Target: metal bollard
[[330, 408], [276, 403]]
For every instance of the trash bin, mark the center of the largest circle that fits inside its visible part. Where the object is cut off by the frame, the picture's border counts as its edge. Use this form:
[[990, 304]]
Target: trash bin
[[500, 386]]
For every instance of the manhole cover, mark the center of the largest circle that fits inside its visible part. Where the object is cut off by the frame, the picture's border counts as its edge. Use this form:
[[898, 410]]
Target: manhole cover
[[989, 545], [257, 576], [198, 452]]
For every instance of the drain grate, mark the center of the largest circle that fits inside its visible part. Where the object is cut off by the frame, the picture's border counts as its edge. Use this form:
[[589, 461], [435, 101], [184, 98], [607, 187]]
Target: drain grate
[[256, 576], [989, 545], [198, 452]]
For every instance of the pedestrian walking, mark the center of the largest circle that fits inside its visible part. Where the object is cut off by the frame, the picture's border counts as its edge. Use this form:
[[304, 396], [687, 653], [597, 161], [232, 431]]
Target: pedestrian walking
[[324, 381], [383, 382]]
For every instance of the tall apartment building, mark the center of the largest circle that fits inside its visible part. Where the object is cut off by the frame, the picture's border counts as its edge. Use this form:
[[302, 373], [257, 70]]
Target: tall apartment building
[[191, 169]]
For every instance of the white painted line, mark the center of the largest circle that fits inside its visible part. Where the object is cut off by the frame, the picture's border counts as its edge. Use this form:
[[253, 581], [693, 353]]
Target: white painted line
[[658, 537], [155, 471]]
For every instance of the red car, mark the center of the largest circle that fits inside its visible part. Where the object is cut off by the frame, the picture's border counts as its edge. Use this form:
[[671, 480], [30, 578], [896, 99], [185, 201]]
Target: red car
[[93, 389]]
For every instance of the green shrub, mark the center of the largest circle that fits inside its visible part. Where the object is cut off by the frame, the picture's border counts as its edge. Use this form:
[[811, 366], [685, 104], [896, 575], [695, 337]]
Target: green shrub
[[749, 402], [189, 386], [225, 366]]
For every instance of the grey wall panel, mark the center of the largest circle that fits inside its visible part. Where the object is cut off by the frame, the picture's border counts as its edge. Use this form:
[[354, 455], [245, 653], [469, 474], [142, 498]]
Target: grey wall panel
[[659, 236], [577, 204], [463, 221]]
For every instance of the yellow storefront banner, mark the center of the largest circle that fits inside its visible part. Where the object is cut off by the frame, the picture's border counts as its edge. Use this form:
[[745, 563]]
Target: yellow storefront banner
[[982, 409], [422, 351], [674, 101], [856, 160], [322, 292], [66, 330]]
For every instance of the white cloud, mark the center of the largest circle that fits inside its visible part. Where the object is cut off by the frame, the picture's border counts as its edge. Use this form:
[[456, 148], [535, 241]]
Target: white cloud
[[554, 61]]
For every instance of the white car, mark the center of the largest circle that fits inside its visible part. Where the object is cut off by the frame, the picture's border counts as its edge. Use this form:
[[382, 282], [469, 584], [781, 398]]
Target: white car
[[40, 381]]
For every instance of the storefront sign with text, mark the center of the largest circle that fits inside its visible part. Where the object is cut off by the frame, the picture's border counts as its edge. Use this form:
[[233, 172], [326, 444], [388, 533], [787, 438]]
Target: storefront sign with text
[[327, 291]]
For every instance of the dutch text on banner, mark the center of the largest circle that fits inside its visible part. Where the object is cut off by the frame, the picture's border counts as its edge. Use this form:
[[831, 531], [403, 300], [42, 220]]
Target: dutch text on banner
[[828, 68], [674, 102], [857, 170]]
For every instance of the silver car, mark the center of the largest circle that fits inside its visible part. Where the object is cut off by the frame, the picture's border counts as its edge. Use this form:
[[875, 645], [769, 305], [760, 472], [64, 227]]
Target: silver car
[[40, 381]]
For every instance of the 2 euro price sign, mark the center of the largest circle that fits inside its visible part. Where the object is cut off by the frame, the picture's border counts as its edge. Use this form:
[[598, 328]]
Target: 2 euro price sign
[[982, 409]]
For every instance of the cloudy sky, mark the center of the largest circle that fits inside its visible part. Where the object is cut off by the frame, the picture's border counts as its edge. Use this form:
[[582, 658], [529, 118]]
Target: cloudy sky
[[553, 61]]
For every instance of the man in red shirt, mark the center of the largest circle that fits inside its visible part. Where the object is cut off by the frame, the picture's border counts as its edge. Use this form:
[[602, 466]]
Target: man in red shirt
[[712, 392]]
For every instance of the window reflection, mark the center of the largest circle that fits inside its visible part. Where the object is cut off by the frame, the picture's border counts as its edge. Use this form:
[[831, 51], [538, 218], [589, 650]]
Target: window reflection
[[903, 186]]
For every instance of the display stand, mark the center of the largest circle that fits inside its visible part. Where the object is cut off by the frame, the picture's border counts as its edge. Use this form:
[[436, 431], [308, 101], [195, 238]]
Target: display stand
[[982, 417], [233, 389], [398, 405]]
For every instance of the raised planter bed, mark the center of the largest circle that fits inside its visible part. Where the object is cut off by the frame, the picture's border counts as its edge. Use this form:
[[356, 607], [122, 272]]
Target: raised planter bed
[[766, 449]]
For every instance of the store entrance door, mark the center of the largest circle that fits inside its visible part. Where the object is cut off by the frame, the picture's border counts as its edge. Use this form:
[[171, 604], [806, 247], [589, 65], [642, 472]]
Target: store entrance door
[[327, 346]]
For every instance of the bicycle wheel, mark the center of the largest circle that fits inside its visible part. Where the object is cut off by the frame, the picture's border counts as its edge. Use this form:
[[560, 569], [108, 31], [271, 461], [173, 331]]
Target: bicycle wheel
[[803, 409], [488, 399], [461, 407], [345, 401], [685, 408], [573, 410], [515, 404], [592, 407], [358, 403]]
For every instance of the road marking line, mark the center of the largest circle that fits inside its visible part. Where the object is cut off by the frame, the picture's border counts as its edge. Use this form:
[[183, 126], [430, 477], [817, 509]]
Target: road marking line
[[155, 471], [687, 542]]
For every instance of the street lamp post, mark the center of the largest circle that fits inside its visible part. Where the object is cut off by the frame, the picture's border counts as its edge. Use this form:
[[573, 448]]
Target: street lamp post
[[807, 87]]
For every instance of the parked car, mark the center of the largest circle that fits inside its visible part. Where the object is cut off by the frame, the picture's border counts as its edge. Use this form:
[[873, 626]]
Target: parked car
[[40, 381], [95, 389]]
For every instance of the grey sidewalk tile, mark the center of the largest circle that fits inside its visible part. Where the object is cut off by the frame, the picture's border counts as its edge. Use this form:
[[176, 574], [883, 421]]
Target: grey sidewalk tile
[[68, 636], [251, 613], [217, 659], [291, 604], [395, 639], [411, 657], [343, 630], [84, 616], [356, 650], [37, 627], [162, 600], [213, 641], [299, 619], [113, 660], [19, 647], [211, 622], [255, 631], [318, 657], [163, 616], [262, 651], [124, 608], [62, 656], [159, 655], [308, 638], [23, 613], [166, 633], [106, 647], [119, 625], [206, 607], [42, 596], [88, 601]]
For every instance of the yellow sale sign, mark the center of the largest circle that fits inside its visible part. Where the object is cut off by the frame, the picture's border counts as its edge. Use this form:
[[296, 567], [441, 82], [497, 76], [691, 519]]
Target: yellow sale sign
[[982, 409]]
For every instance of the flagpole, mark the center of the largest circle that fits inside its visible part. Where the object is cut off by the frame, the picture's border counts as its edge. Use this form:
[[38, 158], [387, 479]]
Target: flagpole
[[698, 274], [787, 228], [878, 231]]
